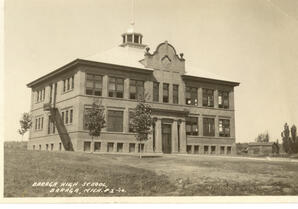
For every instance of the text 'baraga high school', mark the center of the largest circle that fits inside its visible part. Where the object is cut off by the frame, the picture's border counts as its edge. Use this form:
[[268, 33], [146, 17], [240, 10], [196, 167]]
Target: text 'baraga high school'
[[192, 113]]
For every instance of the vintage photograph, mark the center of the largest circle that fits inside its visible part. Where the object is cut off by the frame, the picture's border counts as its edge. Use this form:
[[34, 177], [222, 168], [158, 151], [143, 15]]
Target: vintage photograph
[[160, 98]]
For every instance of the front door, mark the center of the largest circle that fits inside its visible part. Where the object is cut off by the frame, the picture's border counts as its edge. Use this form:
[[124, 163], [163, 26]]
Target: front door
[[166, 138]]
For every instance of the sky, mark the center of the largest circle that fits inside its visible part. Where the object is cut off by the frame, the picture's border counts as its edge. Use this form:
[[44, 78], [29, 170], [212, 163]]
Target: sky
[[253, 42]]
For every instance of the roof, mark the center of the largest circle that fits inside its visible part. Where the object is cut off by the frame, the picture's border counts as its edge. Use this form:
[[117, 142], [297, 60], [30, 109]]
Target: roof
[[130, 57], [191, 70], [124, 56]]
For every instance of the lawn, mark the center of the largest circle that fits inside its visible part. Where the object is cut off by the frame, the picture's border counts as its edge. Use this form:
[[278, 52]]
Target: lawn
[[127, 175]]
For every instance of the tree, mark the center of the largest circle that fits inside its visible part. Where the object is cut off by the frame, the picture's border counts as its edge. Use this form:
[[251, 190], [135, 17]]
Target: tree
[[294, 141], [264, 137], [95, 120], [286, 141], [25, 124], [142, 122]]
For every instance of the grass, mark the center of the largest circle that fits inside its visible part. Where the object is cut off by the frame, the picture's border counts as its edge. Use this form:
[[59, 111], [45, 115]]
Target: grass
[[169, 175]]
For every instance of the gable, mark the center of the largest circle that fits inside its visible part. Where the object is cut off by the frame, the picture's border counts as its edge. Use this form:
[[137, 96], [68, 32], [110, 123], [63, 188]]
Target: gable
[[164, 58]]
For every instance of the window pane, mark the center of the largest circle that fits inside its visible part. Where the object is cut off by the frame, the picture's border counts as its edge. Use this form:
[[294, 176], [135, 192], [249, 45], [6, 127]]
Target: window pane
[[115, 121], [89, 77], [89, 84]]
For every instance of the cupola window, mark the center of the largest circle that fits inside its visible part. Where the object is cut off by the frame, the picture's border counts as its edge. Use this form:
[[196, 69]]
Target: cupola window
[[136, 39], [129, 38]]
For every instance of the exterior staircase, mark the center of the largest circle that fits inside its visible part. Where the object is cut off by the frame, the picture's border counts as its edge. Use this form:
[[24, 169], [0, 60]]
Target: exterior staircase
[[62, 131]]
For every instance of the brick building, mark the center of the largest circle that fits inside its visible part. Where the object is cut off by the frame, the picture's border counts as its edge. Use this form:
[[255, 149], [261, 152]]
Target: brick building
[[193, 113]]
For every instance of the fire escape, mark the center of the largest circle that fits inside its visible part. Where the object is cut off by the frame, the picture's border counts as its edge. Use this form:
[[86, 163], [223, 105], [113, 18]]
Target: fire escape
[[57, 121]]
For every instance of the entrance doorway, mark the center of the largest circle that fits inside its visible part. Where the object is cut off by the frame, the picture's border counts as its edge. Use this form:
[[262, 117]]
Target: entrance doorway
[[166, 138]]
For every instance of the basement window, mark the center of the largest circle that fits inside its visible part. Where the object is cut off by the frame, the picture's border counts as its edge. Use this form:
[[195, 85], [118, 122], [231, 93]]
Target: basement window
[[213, 150], [132, 147], [188, 149], [119, 147], [97, 146], [222, 150], [110, 147], [141, 148], [196, 149], [229, 150], [87, 146], [206, 149]]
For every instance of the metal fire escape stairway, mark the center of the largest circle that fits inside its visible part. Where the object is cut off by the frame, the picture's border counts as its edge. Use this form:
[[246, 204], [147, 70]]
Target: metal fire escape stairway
[[62, 131]]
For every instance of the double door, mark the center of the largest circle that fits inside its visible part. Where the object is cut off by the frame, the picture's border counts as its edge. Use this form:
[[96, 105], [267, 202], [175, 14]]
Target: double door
[[166, 138]]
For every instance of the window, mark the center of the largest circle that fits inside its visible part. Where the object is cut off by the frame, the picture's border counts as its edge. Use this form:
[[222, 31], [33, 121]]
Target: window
[[191, 96], [51, 125], [223, 99], [62, 116], [39, 123], [67, 116], [97, 146], [213, 150], [155, 91], [229, 150], [208, 127], [40, 95], [47, 147], [136, 89], [119, 147], [196, 149], [175, 94], [68, 84], [87, 146], [60, 146], [72, 82], [165, 94], [206, 149], [85, 118], [132, 147], [39, 147], [115, 121], [136, 39], [129, 38], [222, 150], [70, 115], [224, 127], [131, 116], [192, 126], [52, 147], [141, 147], [116, 87], [33, 147], [188, 149], [208, 98], [110, 147], [93, 84]]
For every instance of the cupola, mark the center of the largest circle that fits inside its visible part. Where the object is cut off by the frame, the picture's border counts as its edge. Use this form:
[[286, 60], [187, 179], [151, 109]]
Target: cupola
[[132, 38]]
